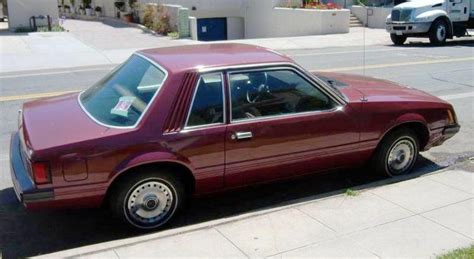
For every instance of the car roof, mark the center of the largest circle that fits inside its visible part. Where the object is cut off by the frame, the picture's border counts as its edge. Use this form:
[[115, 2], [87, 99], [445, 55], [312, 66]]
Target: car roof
[[198, 56]]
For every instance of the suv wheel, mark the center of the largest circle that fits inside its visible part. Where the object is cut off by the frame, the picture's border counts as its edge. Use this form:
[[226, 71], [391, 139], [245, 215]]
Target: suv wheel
[[398, 39], [147, 200]]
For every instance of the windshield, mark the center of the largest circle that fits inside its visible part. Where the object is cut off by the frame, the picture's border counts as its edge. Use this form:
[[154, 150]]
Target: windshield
[[122, 97]]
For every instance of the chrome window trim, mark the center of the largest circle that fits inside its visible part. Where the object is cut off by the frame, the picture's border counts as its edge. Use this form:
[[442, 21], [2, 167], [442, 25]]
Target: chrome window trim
[[278, 116], [153, 63], [337, 107], [196, 87]]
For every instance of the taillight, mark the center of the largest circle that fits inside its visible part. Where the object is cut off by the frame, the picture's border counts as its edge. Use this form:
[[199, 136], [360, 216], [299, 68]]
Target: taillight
[[41, 173]]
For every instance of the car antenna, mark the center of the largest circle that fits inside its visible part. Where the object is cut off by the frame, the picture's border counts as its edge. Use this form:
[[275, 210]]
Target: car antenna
[[363, 39]]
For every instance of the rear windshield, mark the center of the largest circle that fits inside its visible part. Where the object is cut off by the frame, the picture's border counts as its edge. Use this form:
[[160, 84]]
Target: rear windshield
[[122, 97]]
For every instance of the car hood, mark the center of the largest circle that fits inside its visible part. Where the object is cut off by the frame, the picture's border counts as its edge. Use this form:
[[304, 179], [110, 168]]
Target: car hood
[[372, 89], [418, 4], [55, 122]]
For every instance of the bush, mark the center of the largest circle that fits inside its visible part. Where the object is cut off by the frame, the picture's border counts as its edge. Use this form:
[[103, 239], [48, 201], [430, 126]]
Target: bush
[[174, 35], [87, 3], [157, 19], [54, 28], [23, 29], [148, 15]]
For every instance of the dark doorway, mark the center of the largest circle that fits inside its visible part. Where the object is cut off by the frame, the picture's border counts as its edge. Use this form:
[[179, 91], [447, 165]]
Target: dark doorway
[[212, 29]]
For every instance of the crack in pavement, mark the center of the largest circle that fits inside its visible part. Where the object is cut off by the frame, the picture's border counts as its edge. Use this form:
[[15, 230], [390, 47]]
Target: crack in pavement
[[448, 81]]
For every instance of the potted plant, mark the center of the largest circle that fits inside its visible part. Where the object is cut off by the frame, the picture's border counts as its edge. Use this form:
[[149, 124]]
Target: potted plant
[[87, 7], [128, 17], [98, 11], [73, 6], [120, 5], [61, 6], [82, 11], [133, 10], [67, 9]]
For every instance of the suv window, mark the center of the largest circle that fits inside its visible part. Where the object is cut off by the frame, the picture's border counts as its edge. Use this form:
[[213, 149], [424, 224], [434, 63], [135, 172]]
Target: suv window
[[208, 102], [273, 92]]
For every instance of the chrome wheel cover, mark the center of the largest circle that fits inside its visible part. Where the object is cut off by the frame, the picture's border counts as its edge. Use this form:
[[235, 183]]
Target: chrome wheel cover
[[401, 156], [149, 204], [441, 32]]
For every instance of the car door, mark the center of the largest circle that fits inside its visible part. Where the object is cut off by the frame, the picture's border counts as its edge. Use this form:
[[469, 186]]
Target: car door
[[283, 124], [201, 140]]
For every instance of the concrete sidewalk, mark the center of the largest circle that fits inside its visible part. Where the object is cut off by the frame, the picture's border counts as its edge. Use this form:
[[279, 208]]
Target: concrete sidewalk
[[420, 217]]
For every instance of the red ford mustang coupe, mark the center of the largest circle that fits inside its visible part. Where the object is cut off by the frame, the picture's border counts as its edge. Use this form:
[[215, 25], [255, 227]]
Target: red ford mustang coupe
[[180, 121]]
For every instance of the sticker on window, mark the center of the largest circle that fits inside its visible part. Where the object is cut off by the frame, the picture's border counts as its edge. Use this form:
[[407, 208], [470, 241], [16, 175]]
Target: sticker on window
[[123, 105]]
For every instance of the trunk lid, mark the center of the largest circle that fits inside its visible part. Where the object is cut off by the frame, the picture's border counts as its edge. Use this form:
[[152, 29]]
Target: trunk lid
[[56, 122]]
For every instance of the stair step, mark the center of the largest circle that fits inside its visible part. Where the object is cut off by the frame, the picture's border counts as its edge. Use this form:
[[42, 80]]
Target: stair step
[[354, 21]]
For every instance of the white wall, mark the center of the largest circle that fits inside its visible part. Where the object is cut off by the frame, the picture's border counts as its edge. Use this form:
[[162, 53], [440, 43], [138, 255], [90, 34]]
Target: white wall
[[263, 20], [235, 28], [377, 17], [208, 8], [193, 28], [20, 11]]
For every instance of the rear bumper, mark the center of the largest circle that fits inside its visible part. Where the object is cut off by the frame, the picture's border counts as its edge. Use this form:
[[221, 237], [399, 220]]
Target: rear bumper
[[25, 189], [408, 28]]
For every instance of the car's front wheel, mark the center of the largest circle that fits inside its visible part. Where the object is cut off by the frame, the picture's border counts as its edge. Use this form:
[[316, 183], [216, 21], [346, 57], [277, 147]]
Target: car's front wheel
[[397, 153], [398, 39], [147, 200]]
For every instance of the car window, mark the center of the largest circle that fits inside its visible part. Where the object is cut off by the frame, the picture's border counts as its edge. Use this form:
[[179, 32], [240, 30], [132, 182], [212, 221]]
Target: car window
[[273, 92], [208, 102], [122, 97]]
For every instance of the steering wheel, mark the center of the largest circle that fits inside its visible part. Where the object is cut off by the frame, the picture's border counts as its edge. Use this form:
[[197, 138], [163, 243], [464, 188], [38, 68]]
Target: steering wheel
[[257, 86]]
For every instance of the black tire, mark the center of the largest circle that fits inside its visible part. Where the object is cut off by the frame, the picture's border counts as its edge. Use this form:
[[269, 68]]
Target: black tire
[[398, 39], [164, 184], [391, 142], [438, 32]]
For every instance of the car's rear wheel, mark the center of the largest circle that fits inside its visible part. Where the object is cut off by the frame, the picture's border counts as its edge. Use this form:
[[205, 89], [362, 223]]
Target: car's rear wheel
[[397, 153], [147, 200], [398, 39]]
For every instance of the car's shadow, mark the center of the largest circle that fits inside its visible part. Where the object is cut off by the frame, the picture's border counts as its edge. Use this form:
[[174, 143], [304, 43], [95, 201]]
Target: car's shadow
[[24, 234]]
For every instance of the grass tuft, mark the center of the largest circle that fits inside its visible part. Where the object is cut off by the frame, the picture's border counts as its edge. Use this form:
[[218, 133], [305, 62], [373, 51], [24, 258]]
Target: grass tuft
[[174, 35], [350, 192], [461, 253]]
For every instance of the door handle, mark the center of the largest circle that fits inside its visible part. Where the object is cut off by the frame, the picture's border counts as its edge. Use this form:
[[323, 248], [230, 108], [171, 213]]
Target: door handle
[[242, 135]]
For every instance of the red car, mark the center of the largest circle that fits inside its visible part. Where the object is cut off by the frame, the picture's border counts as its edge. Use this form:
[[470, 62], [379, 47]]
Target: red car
[[181, 121]]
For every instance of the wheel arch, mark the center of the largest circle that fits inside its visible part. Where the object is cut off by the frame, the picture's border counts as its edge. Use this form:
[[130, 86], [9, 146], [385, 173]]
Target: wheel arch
[[419, 127], [182, 171], [447, 21]]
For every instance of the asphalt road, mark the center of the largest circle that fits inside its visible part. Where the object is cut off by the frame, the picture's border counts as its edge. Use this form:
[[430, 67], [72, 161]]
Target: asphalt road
[[447, 72]]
